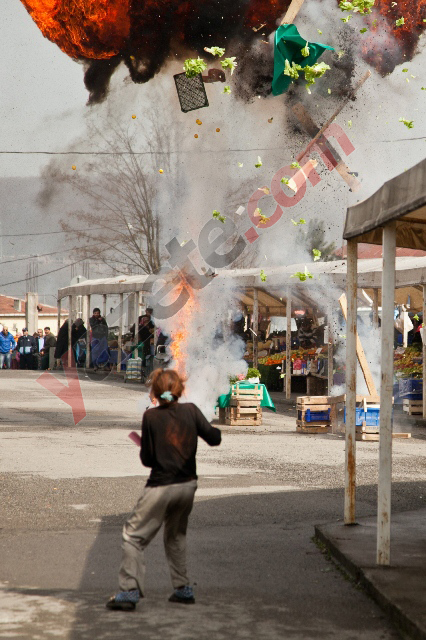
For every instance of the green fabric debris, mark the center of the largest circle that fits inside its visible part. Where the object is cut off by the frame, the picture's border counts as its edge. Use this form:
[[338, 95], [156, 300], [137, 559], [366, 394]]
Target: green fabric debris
[[288, 46]]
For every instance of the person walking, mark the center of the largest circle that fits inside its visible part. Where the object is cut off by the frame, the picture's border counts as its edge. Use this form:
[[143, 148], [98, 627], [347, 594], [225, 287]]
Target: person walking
[[169, 444], [7, 345], [26, 347]]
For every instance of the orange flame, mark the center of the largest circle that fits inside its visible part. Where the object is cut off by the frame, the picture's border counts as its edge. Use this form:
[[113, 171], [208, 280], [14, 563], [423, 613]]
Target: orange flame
[[83, 28], [386, 44], [183, 332]]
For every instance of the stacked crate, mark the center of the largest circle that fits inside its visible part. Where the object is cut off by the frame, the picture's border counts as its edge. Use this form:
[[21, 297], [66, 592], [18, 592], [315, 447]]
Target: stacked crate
[[313, 414], [367, 422], [411, 390], [412, 407], [245, 409]]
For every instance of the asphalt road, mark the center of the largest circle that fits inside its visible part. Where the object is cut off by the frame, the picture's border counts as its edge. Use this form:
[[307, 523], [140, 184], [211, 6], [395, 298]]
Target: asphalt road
[[67, 489]]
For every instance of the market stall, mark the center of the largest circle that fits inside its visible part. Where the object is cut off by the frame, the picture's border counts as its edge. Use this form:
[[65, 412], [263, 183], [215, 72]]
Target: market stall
[[394, 216]]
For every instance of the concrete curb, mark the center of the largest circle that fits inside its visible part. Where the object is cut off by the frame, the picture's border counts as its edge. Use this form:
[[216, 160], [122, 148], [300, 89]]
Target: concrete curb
[[408, 627]]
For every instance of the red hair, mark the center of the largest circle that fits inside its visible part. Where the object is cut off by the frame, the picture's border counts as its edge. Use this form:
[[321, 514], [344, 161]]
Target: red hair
[[163, 380]]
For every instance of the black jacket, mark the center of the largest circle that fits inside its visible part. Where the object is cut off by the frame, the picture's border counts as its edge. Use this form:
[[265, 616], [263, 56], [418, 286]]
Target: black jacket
[[26, 341], [99, 327], [169, 442]]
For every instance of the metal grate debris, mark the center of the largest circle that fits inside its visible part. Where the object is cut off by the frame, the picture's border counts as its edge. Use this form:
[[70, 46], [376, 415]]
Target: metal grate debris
[[191, 92]]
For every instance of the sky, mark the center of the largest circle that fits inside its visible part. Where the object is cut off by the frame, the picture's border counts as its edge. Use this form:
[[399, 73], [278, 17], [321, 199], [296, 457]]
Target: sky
[[43, 107]]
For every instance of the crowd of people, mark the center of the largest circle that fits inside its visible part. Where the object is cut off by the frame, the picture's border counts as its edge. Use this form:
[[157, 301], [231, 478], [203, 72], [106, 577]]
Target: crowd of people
[[34, 351]]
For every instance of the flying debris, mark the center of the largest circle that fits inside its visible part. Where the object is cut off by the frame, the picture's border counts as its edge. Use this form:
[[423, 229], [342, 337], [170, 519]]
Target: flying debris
[[408, 123], [218, 216], [303, 275]]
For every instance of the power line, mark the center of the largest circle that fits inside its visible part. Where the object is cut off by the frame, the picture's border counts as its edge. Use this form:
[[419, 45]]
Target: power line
[[132, 153], [40, 275], [46, 233], [41, 255]]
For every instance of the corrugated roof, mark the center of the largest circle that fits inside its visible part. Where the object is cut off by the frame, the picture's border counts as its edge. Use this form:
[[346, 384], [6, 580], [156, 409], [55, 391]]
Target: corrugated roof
[[409, 271], [402, 199]]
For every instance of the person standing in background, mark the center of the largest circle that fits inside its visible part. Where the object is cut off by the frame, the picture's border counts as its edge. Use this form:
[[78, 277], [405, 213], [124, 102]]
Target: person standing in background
[[39, 340], [49, 342], [99, 339], [26, 348], [7, 345]]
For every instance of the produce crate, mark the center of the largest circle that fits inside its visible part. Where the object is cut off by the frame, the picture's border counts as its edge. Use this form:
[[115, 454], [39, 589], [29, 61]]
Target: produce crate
[[313, 414], [243, 416], [244, 409], [411, 387], [412, 407], [371, 416]]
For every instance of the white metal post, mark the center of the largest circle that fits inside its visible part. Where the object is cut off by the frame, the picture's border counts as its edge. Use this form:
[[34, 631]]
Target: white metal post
[[386, 393], [59, 315], [288, 346], [70, 309], [120, 332], [104, 305], [255, 327], [87, 323], [423, 336], [330, 377], [351, 366]]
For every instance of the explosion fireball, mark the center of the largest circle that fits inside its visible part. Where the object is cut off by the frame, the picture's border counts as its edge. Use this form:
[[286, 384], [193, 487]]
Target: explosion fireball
[[143, 33]]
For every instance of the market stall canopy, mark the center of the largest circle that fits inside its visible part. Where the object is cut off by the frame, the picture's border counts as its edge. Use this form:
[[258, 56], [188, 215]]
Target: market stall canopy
[[411, 297], [410, 272], [402, 199]]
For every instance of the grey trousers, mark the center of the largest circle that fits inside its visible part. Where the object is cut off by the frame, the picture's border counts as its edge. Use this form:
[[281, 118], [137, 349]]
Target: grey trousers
[[172, 505]]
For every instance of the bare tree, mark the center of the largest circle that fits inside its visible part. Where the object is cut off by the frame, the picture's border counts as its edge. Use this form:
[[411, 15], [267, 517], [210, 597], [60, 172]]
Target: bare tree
[[122, 223]]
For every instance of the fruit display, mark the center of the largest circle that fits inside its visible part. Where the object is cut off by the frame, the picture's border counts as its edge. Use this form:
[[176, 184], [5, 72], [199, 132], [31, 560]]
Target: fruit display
[[296, 354], [408, 363]]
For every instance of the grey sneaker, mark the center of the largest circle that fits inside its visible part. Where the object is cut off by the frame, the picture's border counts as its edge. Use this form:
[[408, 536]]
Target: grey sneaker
[[184, 595]]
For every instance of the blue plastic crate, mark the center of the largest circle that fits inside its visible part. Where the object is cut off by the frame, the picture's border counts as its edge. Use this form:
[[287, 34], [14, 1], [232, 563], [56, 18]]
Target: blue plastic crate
[[411, 388], [314, 416], [372, 417]]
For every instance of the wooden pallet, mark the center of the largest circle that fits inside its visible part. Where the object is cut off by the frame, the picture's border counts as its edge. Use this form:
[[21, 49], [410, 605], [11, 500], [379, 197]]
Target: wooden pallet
[[312, 428], [314, 400], [412, 407], [375, 437], [243, 416], [314, 403]]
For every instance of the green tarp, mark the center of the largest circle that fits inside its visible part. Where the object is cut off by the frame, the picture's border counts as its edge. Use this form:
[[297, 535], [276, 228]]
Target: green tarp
[[288, 46], [225, 398]]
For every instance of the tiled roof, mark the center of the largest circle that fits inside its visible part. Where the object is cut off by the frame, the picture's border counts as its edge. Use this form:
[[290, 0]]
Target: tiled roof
[[7, 307]]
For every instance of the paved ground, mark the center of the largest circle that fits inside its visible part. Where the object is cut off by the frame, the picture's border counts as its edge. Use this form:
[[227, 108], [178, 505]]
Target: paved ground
[[400, 588], [67, 489]]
